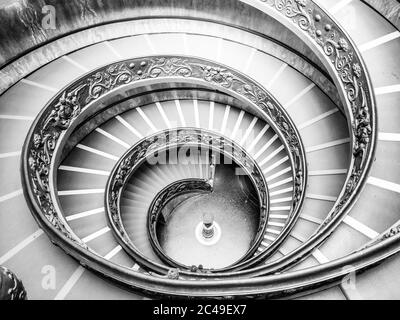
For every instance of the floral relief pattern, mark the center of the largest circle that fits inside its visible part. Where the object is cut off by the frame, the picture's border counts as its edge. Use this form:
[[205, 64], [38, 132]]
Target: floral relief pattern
[[317, 25], [44, 141], [73, 100], [349, 69], [165, 140]]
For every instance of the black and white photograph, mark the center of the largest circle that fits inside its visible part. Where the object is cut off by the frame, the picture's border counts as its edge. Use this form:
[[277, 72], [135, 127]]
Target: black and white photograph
[[198, 156]]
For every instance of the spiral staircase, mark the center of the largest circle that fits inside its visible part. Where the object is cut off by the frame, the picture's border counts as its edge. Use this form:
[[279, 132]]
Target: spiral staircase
[[199, 149]]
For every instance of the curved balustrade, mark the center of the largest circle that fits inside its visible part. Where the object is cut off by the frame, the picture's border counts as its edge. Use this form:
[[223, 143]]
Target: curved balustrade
[[165, 202], [83, 25], [345, 65], [73, 105], [166, 140]]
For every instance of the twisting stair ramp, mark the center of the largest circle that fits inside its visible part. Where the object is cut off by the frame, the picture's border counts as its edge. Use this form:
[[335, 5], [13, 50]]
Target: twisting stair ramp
[[302, 97]]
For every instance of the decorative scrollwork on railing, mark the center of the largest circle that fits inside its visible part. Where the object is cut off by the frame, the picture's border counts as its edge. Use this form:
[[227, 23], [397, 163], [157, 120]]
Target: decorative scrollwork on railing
[[392, 232], [352, 76], [43, 144], [260, 97], [172, 191], [297, 11], [160, 202], [68, 105], [349, 73], [171, 67], [166, 140]]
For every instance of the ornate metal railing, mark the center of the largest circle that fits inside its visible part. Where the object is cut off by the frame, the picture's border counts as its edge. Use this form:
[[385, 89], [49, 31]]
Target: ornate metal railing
[[347, 69], [166, 140], [78, 101], [341, 57], [165, 202]]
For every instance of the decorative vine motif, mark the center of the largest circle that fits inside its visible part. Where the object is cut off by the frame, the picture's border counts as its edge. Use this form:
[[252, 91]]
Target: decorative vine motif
[[349, 73], [172, 191], [104, 81], [118, 183], [162, 199], [260, 98], [43, 144], [123, 73], [351, 186], [170, 67], [68, 105], [67, 108], [392, 232], [362, 128], [297, 11], [304, 13], [131, 161], [310, 19], [217, 75]]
